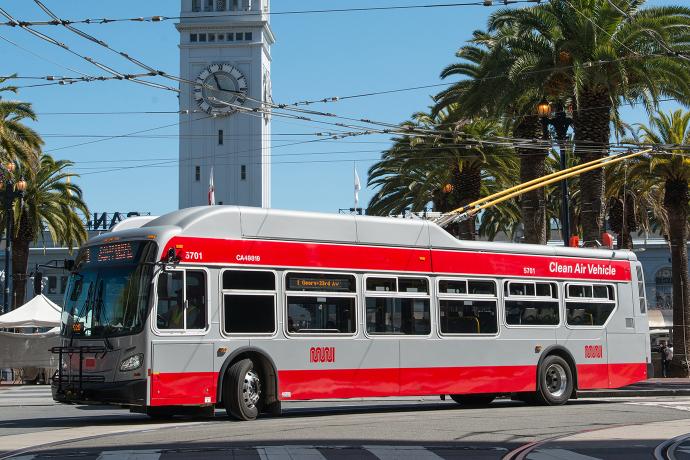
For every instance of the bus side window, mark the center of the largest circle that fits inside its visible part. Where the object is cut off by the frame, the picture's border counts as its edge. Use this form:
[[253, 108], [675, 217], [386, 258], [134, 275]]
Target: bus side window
[[641, 290], [181, 300], [195, 284], [170, 307], [247, 311]]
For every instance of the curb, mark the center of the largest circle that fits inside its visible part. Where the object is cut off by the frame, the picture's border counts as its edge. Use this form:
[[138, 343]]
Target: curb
[[632, 393]]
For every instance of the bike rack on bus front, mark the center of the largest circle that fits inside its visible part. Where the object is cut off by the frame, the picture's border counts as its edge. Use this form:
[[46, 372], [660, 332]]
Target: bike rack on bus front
[[69, 351]]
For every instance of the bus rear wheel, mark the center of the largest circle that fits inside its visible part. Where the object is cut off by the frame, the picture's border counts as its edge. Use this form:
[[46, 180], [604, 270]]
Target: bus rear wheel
[[242, 391], [478, 400], [555, 384]]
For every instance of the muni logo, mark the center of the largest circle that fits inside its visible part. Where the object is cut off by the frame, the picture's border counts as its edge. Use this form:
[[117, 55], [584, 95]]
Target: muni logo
[[594, 351], [322, 355]]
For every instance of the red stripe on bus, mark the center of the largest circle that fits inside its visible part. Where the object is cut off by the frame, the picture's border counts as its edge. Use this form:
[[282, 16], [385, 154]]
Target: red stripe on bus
[[291, 254], [530, 266], [621, 375], [591, 376], [361, 383], [192, 388], [183, 388], [338, 256]]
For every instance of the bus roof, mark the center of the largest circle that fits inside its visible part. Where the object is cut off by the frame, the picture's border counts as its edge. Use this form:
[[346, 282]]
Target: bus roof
[[237, 222]]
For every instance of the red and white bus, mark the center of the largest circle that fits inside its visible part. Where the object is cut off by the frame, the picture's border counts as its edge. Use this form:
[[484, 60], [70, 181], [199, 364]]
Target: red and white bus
[[243, 308]]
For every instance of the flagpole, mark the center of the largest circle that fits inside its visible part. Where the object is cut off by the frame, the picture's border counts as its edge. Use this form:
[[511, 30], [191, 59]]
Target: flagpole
[[354, 174]]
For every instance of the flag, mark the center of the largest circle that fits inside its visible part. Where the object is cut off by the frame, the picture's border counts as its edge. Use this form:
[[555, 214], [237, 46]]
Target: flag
[[358, 187], [211, 190]]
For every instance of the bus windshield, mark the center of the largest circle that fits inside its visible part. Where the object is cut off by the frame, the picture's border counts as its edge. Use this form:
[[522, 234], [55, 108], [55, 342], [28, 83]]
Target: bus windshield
[[108, 292]]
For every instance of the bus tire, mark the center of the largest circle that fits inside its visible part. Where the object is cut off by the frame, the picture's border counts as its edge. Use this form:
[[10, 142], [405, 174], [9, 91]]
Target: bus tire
[[242, 391], [477, 400], [555, 381]]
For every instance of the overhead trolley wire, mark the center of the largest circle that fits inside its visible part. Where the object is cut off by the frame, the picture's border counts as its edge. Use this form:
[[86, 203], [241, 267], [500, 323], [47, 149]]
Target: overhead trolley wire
[[161, 18], [43, 57], [115, 73], [171, 163]]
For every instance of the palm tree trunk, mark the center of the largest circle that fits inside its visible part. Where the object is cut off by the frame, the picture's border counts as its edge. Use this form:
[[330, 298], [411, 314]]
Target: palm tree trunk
[[22, 239], [592, 125], [532, 166], [676, 205], [467, 180], [20, 262]]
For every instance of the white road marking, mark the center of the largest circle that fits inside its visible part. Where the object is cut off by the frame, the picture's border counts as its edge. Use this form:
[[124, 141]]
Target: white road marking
[[130, 455], [558, 454], [677, 404], [14, 442], [289, 453], [402, 452]]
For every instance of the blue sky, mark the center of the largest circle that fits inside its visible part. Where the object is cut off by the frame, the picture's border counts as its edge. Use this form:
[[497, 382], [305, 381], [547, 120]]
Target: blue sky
[[315, 56]]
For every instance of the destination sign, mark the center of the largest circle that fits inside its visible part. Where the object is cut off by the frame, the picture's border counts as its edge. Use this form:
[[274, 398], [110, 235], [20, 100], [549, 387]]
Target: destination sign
[[115, 252], [325, 283]]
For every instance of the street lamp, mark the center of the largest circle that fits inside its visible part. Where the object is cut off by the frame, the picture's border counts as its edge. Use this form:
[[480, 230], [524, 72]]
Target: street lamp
[[555, 116], [12, 190]]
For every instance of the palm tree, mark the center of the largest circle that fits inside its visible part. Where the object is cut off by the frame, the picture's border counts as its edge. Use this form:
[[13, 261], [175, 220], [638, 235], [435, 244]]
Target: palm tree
[[52, 203], [635, 202], [599, 53], [490, 92], [445, 168], [17, 141], [673, 167]]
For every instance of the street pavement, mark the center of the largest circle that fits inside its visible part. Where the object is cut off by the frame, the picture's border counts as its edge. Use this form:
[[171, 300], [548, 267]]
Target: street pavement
[[34, 427]]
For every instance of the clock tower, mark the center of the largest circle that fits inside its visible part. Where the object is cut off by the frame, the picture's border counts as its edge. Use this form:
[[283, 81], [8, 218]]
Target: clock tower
[[225, 55]]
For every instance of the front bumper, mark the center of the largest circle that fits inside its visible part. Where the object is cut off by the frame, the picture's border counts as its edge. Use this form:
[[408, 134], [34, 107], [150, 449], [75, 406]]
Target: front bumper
[[126, 393]]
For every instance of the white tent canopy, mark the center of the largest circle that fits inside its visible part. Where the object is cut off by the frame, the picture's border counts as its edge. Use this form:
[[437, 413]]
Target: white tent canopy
[[37, 312]]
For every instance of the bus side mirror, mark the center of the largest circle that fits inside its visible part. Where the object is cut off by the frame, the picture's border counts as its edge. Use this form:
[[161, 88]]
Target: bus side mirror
[[172, 256], [69, 264]]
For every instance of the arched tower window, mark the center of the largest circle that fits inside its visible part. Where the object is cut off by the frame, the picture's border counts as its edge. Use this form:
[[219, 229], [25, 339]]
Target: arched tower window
[[247, 5], [664, 288], [196, 6]]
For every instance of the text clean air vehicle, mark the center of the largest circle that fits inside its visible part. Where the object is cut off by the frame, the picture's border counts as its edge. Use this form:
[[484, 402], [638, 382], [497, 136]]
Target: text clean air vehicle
[[246, 307]]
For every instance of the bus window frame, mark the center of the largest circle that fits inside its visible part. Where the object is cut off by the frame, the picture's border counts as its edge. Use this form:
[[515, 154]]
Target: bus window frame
[[392, 294], [330, 335], [505, 296], [154, 310], [467, 296], [266, 293], [589, 300]]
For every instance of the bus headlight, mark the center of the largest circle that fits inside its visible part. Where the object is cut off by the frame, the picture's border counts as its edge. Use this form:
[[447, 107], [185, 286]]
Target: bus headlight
[[131, 363]]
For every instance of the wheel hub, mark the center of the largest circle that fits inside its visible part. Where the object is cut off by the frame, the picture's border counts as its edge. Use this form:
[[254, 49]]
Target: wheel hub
[[251, 389], [556, 380]]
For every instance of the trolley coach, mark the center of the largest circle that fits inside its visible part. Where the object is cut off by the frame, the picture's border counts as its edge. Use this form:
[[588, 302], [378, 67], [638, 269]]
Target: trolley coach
[[243, 308]]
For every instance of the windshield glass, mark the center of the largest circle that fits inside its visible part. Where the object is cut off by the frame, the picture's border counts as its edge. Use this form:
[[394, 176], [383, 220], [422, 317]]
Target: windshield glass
[[108, 292]]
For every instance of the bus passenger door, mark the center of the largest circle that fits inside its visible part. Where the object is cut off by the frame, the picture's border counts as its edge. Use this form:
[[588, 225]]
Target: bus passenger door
[[583, 333], [182, 361], [628, 334]]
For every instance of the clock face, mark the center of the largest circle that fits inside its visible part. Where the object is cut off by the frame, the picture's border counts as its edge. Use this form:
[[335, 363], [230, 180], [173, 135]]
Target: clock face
[[219, 88]]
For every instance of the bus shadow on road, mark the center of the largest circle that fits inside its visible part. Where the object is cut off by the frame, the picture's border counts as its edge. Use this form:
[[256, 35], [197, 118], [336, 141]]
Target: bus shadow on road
[[363, 408]]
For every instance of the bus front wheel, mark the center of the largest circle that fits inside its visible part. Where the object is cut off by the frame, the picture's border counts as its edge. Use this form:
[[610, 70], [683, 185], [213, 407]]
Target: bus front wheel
[[555, 383], [242, 391]]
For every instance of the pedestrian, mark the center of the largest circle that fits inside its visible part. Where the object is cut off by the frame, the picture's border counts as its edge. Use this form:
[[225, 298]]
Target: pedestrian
[[662, 352], [668, 357]]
